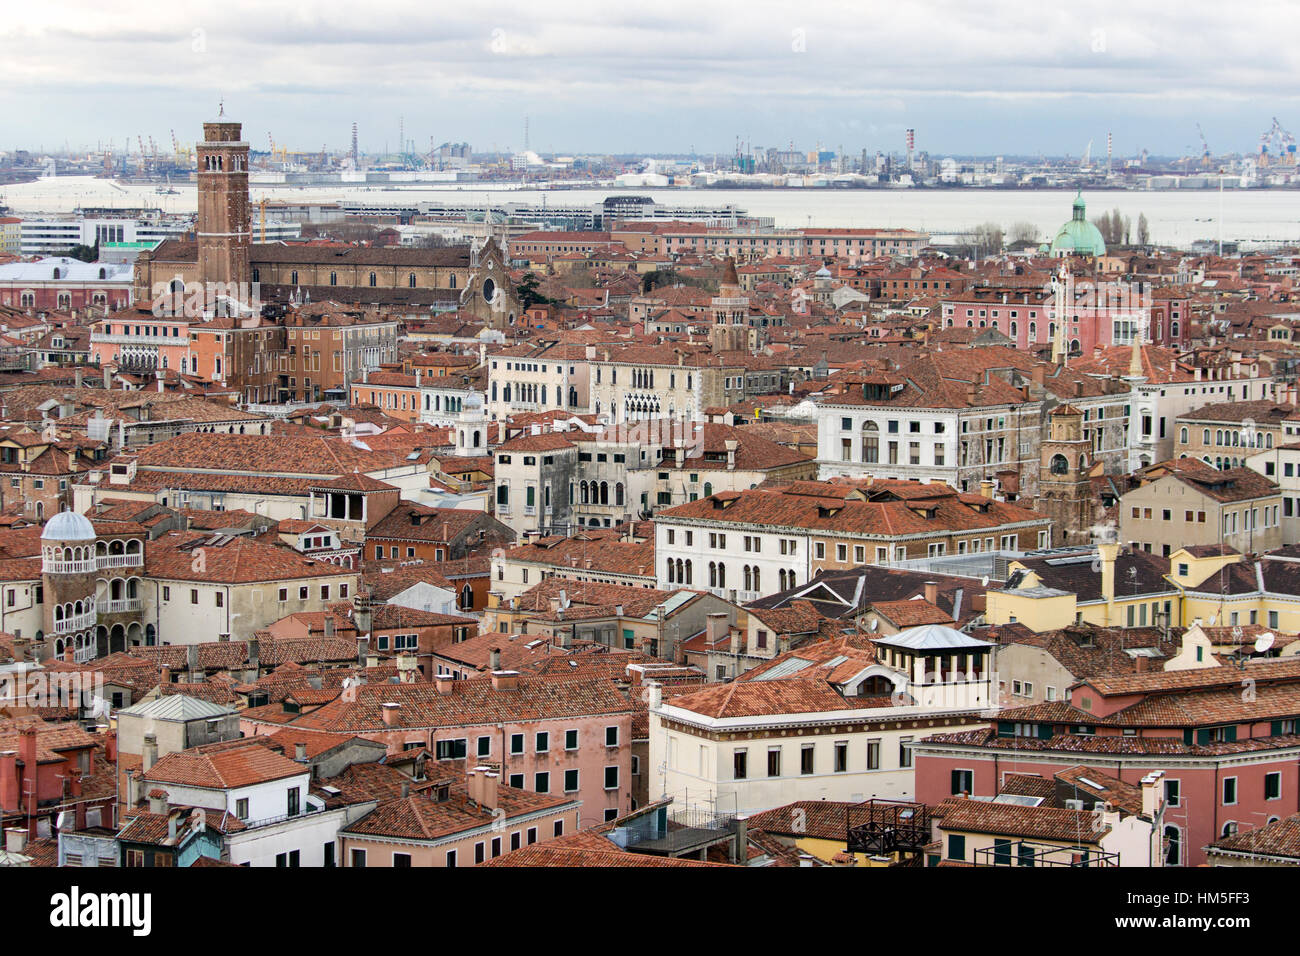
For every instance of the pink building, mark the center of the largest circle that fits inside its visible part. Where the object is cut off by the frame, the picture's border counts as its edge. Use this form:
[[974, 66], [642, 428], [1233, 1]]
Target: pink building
[[1230, 758], [1100, 313], [561, 736], [465, 824]]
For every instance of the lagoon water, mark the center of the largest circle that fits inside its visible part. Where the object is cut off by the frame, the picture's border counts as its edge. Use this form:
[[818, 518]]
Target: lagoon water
[[1176, 217]]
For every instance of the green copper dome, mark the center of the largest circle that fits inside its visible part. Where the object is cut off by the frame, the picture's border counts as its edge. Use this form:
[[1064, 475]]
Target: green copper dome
[[1078, 236]]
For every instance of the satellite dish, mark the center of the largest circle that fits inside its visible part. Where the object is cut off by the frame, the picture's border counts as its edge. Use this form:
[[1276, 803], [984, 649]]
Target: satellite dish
[[874, 624], [1263, 642], [1213, 619], [984, 582]]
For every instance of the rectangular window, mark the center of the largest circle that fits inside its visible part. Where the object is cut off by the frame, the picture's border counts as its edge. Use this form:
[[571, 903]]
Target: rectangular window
[[841, 756], [806, 756], [1272, 785], [570, 781], [542, 782], [516, 743], [358, 858], [873, 754], [956, 846], [570, 740], [963, 781], [543, 742], [611, 736], [611, 778], [1229, 791], [774, 761], [739, 764], [905, 751]]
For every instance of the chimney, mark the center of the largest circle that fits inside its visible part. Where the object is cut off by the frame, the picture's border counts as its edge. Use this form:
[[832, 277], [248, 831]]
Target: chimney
[[740, 845], [157, 801], [1140, 664], [15, 840], [731, 445], [363, 645], [329, 624], [165, 676], [390, 711], [487, 794], [986, 488], [406, 789], [1151, 795], [171, 826], [300, 752], [505, 680], [1107, 553], [108, 378], [77, 378], [9, 780], [715, 627], [564, 638], [932, 592], [254, 652], [372, 660], [444, 684], [473, 784], [494, 659], [150, 756]]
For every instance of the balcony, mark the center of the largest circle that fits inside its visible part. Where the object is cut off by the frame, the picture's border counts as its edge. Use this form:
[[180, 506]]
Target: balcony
[[119, 560], [78, 622], [123, 606], [68, 567]]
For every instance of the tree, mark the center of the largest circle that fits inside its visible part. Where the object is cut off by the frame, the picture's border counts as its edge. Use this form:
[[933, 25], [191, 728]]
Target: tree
[[528, 294], [1144, 231], [1024, 232], [84, 253], [987, 239]]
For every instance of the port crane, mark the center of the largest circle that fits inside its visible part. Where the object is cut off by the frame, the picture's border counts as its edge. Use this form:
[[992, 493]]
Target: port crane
[[1279, 140], [1206, 162]]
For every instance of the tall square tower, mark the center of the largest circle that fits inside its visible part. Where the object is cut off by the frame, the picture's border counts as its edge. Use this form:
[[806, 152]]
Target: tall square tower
[[224, 221]]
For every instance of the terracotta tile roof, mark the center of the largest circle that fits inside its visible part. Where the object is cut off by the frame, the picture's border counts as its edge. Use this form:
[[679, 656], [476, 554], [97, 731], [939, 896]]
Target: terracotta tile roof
[[420, 818], [551, 855], [214, 768], [1281, 838], [231, 560], [470, 702], [1004, 819]]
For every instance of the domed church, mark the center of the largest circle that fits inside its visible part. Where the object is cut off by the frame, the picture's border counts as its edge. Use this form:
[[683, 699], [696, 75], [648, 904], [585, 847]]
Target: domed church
[[1078, 237]]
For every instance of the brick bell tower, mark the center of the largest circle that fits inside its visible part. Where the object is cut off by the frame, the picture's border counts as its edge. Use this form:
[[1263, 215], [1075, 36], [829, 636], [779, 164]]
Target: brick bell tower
[[224, 222], [1064, 491]]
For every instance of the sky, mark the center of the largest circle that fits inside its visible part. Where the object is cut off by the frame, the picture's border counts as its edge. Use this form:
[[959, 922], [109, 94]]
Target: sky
[[972, 77]]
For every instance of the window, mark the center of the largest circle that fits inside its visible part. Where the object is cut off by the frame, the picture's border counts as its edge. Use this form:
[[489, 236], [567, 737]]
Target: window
[[1172, 793], [241, 808], [1229, 791], [774, 761], [956, 846], [570, 781], [541, 782], [358, 858], [480, 853], [194, 595], [963, 781], [1273, 785], [806, 758], [873, 754], [451, 858], [402, 860], [841, 756], [611, 736], [611, 778], [292, 803], [516, 743], [282, 596], [543, 742], [740, 764], [485, 746], [570, 740], [905, 751]]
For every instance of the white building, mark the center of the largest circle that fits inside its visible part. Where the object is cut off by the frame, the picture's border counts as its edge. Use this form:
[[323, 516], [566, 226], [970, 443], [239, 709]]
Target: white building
[[827, 721]]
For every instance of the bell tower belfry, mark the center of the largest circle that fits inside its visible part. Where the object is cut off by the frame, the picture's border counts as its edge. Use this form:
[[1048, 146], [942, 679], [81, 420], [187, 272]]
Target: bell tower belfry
[[1064, 491], [224, 221]]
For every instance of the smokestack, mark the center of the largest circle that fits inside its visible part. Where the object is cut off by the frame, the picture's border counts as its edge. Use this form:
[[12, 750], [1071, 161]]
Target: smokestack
[[932, 592], [150, 756], [494, 659], [444, 684]]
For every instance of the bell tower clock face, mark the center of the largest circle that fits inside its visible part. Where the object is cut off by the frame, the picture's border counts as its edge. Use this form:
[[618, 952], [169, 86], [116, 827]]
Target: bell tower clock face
[[489, 290]]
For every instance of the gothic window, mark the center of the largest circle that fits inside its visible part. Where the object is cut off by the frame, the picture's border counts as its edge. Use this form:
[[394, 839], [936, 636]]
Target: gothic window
[[1059, 465]]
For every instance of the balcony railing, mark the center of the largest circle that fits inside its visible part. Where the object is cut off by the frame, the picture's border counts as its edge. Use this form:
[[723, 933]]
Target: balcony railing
[[77, 622], [119, 560], [121, 606], [69, 567]]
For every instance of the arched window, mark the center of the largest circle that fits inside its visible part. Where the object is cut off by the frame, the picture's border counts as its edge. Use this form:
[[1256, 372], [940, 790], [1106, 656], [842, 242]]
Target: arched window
[[747, 578], [1059, 465], [708, 488], [1182, 434], [373, 280], [618, 493], [870, 443], [451, 281], [410, 281], [688, 571], [757, 583], [604, 492], [672, 575]]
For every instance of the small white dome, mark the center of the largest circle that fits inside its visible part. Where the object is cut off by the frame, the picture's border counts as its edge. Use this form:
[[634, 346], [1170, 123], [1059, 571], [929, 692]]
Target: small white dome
[[68, 526]]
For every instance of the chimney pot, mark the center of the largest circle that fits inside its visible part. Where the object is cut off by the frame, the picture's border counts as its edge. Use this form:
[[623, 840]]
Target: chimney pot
[[390, 713]]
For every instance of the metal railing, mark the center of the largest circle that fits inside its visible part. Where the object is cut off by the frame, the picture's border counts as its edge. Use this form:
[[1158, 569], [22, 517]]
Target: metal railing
[[121, 606]]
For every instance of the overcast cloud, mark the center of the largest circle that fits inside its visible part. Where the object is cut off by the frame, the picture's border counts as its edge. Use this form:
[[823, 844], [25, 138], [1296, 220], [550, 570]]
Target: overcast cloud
[[971, 77]]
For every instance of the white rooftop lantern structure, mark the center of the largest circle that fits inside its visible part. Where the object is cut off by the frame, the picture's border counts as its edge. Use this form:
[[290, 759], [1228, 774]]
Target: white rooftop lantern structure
[[945, 667]]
